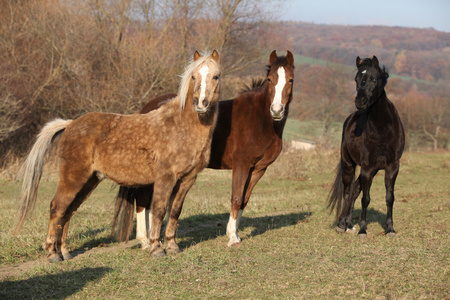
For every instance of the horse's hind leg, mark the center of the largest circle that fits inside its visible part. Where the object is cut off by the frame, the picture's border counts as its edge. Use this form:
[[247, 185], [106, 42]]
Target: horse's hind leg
[[143, 215], [348, 175], [174, 214], [354, 193], [58, 207], [90, 185], [390, 176]]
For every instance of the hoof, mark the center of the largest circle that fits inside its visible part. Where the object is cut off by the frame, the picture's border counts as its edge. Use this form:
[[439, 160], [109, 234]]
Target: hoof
[[391, 234], [235, 245], [145, 246], [174, 251], [234, 241], [157, 253], [351, 230], [67, 256], [362, 235], [54, 258], [340, 230]]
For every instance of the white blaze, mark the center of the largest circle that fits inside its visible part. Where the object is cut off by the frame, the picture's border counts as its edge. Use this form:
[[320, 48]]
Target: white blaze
[[203, 72], [279, 88]]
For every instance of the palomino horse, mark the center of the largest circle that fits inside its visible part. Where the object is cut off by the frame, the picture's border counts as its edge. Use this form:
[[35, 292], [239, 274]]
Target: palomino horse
[[373, 138], [167, 148], [247, 139]]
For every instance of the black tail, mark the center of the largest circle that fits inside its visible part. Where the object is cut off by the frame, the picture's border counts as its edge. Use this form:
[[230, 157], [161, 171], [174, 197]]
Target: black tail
[[336, 194], [123, 214]]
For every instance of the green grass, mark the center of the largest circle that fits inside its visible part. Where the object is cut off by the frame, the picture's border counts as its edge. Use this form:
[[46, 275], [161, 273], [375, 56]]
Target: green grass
[[289, 250], [312, 131]]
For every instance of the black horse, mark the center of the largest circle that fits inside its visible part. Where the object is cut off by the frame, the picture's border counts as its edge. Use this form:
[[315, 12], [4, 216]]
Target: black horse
[[373, 138]]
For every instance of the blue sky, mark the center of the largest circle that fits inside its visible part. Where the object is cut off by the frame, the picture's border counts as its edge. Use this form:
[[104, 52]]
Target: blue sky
[[404, 13]]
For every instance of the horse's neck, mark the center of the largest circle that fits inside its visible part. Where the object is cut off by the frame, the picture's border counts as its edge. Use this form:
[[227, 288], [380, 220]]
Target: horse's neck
[[203, 122], [379, 115]]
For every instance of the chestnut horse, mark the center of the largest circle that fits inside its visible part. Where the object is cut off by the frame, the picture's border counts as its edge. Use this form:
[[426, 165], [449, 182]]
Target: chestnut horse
[[373, 138], [247, 139], [167, 148]]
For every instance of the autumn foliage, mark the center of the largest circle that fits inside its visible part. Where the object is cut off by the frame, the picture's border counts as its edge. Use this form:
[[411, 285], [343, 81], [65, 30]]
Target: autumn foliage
[[65, 58]]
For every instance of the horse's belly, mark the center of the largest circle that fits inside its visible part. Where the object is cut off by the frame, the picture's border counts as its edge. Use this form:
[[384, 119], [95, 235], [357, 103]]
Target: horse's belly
[[130, 167]]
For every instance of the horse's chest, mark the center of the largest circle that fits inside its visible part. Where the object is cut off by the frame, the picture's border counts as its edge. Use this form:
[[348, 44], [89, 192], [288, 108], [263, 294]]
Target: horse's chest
[[376, 152]]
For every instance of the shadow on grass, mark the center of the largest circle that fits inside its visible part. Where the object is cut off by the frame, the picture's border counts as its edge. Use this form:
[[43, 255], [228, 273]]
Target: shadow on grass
[[51, 286], [198, 228], [372, 216], [93, 241]]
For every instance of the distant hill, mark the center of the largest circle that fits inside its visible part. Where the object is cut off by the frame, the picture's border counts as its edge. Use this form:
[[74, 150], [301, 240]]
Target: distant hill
[[412, 52], [418, 61]]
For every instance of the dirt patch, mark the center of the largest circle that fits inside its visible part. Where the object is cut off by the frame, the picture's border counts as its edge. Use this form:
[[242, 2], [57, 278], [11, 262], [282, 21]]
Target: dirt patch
[[22, 268]]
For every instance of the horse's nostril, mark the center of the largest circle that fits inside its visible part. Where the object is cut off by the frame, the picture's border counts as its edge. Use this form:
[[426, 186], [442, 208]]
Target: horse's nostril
[[205, 102], [276, 108]]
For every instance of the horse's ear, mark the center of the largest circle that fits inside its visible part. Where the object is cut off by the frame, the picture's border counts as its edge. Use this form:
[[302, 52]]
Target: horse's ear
[[197, 55], [215, 56], [358, 62], [375, 61], [385, 72], [290, 58], [273, 57]]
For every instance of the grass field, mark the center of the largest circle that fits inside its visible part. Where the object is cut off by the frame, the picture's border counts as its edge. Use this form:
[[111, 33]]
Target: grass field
[[289, 250]]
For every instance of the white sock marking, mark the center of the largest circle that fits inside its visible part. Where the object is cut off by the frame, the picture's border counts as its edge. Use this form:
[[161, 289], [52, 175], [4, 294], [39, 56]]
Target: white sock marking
[[232, 229], [141, 228]]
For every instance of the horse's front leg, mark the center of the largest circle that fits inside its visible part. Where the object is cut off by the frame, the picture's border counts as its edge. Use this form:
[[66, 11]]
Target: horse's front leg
[[161, 194], [240, 177], [366, 176], [175, 211], [390, 176]]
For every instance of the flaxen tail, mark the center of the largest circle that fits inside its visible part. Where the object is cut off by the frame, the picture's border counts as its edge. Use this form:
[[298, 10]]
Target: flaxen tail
[[123, 214], [33, 166]]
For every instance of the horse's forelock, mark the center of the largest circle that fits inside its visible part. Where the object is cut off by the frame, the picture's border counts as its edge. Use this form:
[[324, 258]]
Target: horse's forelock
[[367, 62], [280, 62], [186, 76]]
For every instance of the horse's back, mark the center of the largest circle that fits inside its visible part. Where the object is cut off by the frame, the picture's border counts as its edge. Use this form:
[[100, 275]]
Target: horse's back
[[157, 102]]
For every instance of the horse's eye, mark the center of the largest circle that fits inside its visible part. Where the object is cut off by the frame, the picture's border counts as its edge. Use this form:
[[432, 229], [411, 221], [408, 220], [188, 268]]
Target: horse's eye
[[374, 80], [216, 77], [193, 77], [268, 79], [291, 80]]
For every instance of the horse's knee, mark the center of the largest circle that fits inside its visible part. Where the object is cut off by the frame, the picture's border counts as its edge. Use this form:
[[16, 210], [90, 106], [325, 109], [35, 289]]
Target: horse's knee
[[365, 200]]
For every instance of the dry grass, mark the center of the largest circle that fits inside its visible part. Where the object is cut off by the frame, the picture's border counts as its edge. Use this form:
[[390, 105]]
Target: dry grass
[[289, 248]]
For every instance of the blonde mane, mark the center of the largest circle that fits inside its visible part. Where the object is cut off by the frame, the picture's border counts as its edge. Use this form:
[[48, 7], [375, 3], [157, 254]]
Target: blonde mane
[[186, 76]]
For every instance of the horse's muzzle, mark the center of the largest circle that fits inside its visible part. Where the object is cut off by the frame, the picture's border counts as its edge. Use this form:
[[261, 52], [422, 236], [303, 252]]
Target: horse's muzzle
[[201, 106], [277, 111], [361, 103]]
